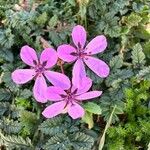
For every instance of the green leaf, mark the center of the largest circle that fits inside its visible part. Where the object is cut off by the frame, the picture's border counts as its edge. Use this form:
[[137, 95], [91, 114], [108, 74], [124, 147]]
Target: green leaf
[[16, 141], [133, 20], [138, 57], [81, 141], [51, 126], [119, 76], [58, 142], [4, 95], [6, 55], [94, 77], [3, 107], [72, 2], [10, 126], [6, 78], [116, 62], [144, 74], [147, 49], [92, 108], [41, 20], [29, 120], [53, 21], [25, 94], [54, 37], [88, 118]]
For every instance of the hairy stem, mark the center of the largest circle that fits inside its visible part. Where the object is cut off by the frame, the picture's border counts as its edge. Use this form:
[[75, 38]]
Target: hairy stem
[[62, 68]]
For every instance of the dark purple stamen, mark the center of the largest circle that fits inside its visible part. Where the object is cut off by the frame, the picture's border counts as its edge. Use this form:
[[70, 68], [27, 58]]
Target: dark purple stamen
[[74, 54], [79, 54], [70, 97], [63, 96], [39, 68], [44, 63], [34, 62], [79, 45], [75, 91]]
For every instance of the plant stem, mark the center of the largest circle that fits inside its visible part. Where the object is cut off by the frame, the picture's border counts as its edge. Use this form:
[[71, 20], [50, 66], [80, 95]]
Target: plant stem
[[102, 140], [62, 68]]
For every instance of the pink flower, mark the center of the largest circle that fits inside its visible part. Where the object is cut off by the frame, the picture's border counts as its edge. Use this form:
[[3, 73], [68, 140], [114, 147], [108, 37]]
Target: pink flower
[[39, 69], [69, 100], [83, 54]]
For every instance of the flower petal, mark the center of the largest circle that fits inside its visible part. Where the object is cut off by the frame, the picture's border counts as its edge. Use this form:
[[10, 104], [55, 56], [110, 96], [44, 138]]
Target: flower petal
[[39, 89], [64, 53], [79, 36], [54, 109], [58, 79], [76, 111], [89, 95], [97, 66], [21, 76], [49, 57], [54, 93], [85, 85], [97, 45], [28, 55], [78, 73]]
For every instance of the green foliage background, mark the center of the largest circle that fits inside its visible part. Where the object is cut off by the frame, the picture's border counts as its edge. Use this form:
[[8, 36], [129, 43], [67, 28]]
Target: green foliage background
[[126, 24]]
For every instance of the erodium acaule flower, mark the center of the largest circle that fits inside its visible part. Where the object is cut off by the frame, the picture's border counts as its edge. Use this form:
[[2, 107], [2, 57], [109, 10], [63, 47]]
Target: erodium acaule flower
[[39, 70], [69, 100], [83, 54]]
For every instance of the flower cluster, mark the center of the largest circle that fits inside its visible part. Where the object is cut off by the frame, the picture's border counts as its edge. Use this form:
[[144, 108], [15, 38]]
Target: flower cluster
[[66, 94]]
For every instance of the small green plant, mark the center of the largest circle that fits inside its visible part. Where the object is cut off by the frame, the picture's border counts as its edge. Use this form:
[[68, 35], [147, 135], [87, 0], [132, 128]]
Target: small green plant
[[133, 132]]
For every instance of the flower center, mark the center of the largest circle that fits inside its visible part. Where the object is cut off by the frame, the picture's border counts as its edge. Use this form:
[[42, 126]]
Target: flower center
[[40, 68], [79, 54], [70, 97]]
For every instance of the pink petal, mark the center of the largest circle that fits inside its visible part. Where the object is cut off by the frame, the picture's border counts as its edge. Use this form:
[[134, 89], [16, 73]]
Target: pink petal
[[58, 79], [85, 86], [39, 89], [78, 73], [28, 55], [76, 111], [49, 57], [97, 66], [54, 93], [89, 95], [64, 53], [97, 45], [79, 36], [54, 109], [22, 76]]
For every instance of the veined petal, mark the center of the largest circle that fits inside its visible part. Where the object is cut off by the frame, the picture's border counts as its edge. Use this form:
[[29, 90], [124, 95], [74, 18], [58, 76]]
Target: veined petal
[[79, 36], [76, 111], [64, 53], [85, 85], [58, 79], [54, 93], [49, 57], [97, 66], [89, 95], [97, 45], [78, 73], [39, 89], [21, 76], [54, 109], [28, 55]]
